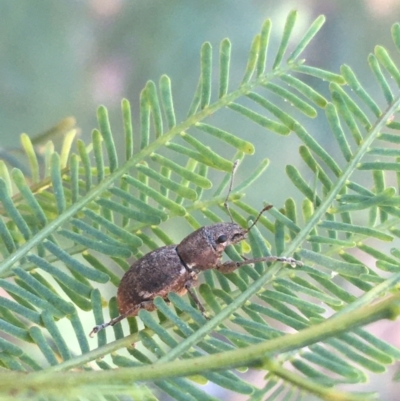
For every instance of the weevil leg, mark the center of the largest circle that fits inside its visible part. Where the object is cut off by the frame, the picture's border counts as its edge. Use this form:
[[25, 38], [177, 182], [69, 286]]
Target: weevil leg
[[102, 326], [230, 266], [148, 305], [283, 259], [192, 293]]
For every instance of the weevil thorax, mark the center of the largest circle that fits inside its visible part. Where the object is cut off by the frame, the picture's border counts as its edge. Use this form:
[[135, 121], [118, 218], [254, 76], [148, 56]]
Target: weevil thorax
[[203, 248]]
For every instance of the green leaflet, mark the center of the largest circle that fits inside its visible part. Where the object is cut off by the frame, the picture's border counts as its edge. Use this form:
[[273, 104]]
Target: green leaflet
[[31, 154], [224, 61]]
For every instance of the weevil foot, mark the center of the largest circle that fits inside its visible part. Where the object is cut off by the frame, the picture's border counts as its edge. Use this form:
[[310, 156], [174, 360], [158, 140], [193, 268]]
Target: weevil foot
[[291, 261]]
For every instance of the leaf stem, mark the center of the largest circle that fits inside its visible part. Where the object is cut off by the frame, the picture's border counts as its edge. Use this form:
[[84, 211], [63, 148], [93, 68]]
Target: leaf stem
[[388, 308], [325, 393], [346, 173]]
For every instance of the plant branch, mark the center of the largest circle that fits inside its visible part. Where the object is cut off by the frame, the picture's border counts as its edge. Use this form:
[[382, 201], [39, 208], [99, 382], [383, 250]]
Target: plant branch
[[311, 386], [248, 356]]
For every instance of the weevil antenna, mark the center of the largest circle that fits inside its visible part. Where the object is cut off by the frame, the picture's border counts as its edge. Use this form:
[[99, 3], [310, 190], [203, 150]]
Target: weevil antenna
[[234, 167], [264, 209]]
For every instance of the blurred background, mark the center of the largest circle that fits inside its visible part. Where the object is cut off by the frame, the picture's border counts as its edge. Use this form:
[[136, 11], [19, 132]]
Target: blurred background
[[64, 58]]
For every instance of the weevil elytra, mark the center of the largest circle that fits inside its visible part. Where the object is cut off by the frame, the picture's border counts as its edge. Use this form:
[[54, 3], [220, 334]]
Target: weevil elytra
[[174, 268]]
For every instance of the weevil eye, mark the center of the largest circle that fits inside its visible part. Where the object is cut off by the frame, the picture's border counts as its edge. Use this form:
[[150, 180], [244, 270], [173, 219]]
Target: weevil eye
[[221, 239]]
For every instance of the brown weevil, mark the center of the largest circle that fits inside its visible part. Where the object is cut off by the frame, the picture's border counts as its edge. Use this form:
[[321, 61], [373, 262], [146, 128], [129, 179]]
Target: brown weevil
[[174, 268]]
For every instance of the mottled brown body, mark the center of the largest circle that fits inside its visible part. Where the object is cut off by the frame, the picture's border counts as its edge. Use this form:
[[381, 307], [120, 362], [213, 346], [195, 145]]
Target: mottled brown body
[[173, 268], [157, 273]]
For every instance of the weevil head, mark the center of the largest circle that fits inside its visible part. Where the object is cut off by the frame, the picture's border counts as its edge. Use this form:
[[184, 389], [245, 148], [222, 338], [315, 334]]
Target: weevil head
[[203, 249], [224, 234]]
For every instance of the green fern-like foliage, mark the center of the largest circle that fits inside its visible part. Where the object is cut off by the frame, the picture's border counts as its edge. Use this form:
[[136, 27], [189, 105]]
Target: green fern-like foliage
[[70, 224]]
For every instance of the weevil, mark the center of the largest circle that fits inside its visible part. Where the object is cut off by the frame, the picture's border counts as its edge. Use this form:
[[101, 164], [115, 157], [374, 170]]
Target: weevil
[[174, 268]]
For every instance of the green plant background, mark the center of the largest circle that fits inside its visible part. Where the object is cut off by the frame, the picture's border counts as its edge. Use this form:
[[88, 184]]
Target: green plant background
[[124, 70]]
